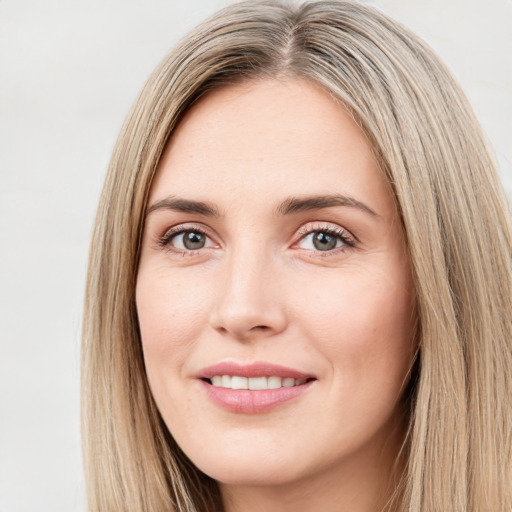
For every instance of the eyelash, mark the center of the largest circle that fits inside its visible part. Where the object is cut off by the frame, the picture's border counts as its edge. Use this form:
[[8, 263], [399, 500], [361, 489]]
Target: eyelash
[[165, 240], [347, 239]]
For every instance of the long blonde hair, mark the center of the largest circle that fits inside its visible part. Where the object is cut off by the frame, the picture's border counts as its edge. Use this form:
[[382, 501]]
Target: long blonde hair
[[456, 221]]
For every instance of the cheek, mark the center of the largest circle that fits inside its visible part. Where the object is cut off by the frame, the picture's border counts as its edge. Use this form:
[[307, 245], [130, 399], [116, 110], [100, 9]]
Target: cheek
[[363, 324], [171, 314]]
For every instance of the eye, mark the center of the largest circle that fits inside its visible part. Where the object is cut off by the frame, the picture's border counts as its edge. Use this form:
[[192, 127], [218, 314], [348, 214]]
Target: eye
[[185, 240], [326, 239], [190, 240]]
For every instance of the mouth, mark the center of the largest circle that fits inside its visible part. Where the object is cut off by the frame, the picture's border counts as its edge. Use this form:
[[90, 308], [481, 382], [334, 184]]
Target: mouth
[[253, 388], [255, 383]]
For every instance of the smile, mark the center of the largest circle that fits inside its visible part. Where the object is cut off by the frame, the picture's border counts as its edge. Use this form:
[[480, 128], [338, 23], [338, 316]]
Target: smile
[[254, 383], [254, 388]]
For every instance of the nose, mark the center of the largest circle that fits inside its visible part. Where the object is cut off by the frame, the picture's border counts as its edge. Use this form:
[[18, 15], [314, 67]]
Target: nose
[[250, 302]]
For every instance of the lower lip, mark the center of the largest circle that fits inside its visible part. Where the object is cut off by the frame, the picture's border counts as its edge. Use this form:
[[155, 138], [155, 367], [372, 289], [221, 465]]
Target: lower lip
[[246, 401]]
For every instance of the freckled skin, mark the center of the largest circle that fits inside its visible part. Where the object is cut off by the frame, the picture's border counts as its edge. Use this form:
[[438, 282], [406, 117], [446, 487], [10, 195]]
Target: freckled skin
[[260, 290]]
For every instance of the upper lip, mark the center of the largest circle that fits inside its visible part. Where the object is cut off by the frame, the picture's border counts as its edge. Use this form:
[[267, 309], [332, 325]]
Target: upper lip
[[254, 369]]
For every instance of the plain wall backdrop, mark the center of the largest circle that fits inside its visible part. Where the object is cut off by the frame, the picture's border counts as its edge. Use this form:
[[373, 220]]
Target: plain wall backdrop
[[69, 71]]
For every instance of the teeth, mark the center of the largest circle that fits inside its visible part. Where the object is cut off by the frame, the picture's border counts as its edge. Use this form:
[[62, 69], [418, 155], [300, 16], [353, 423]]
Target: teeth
[[258, 383], [239, 383], [217, 380], [255, 383], [274, 382]]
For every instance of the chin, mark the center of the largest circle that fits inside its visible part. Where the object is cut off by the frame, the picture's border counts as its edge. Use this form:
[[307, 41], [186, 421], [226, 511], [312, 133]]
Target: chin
[[249, 469], [247, 475]]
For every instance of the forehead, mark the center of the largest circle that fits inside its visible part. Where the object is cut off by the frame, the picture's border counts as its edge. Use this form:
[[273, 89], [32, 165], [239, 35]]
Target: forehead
[[266, 139]]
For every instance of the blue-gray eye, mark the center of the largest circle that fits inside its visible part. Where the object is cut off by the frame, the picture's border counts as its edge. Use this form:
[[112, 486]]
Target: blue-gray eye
[[324, 241], [193, 240], [188, 240]]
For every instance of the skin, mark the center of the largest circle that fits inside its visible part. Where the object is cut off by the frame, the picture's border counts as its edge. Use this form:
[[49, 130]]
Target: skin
[[261, 290]]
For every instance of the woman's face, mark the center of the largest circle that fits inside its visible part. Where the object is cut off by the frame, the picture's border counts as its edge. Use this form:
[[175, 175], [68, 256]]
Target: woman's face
[[273, 259]]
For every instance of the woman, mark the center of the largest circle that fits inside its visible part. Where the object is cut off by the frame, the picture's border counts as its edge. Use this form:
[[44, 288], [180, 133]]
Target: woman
[[299, 291]]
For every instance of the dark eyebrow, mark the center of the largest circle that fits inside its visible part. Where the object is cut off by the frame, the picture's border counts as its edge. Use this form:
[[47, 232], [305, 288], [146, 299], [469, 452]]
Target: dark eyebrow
[[185, 205], [301, 204], [287, 207]]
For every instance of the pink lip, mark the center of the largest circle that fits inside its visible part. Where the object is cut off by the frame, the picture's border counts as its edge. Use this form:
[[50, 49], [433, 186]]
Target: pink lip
[[246, 401], [256, 369]]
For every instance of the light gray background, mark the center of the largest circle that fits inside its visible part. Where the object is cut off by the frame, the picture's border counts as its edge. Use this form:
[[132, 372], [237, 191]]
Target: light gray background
[[69, 71]]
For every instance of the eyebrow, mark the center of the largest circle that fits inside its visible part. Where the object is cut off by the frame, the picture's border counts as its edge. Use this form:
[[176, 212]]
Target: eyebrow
[[288, 206], [306, 203], [185, 205]]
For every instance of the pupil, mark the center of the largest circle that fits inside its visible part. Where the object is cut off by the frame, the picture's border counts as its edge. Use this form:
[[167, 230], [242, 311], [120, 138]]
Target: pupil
[[193, 240], [324, 242]]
